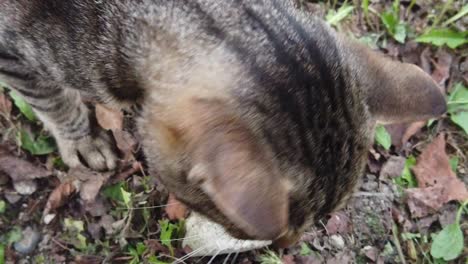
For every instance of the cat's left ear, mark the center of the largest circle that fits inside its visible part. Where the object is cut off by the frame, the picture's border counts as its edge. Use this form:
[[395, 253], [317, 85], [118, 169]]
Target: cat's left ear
[[394, 91]]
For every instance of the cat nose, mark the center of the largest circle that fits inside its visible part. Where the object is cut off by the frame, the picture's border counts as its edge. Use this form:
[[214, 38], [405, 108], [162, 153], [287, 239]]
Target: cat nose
[[288, 239]]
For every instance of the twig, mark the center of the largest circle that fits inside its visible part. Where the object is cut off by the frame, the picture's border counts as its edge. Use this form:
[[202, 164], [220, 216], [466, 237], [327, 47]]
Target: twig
[[397, 243], [61, 245]]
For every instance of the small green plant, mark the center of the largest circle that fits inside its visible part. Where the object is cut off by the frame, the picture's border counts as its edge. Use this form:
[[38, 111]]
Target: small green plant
[[2, 254], [458, 106], [407, 179], [382, 137], [270, 257], [444, 36], [36, 145], [169, 232], [137, 253], [118, 193], [155, 260], [2, 206], [454, 163], [391, 20], [448, 243], [74, 233], [24, 107], [12, 236], [305, 250], [334, 17]]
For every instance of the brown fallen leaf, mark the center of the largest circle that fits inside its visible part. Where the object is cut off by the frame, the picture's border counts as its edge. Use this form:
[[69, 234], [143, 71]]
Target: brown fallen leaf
[[288, 259], [112, 119], [18, 169], [108, 118], [91, 182], [433, 164], [393, 167], [175, 210], [339, 222], [371, 253], [127, 171], [437, 183], [126, 143], [5, 105], [59, 196]]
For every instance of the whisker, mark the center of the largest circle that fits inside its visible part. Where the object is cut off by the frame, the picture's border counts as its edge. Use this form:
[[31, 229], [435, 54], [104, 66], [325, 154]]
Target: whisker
[[227, 258], [145, 207], [215, 255], [235, 258], [189, 255], [200, 259], [171, 257]]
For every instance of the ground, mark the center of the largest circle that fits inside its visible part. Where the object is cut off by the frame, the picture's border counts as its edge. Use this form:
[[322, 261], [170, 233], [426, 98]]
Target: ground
[[409, 208]]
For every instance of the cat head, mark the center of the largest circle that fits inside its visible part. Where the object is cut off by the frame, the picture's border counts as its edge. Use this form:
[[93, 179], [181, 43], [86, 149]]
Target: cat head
[[214, 148]]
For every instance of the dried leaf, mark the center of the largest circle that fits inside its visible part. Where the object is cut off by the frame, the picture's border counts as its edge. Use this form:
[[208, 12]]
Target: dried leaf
[[339, 222], [438, 184], [371, 252], [126, 143], [90, 189], [288, 259], [5, 105], [393, 167], [109, 119], [175, 210], [91, 182], [433, 164], [20, 170], [59, 196]]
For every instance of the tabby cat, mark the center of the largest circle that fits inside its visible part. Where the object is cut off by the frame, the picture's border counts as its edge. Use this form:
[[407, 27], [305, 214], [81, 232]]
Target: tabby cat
[[253, 113]]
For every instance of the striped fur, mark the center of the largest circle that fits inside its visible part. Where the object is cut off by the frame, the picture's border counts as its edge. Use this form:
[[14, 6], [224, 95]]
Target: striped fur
[[227, 88]]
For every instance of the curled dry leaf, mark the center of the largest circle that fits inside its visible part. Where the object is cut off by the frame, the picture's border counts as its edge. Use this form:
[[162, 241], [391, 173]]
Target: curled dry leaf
[[59, 196], [18, 169], [109, 119], [175, 210], [112, 119], [127, 171], [438, 184]]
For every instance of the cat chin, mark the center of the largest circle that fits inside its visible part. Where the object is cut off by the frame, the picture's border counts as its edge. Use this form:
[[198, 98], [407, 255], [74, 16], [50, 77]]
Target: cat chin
[[207, 238]]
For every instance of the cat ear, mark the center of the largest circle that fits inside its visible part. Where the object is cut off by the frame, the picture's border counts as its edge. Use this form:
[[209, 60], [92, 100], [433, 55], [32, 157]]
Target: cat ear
[[239, 176], [395, 91]]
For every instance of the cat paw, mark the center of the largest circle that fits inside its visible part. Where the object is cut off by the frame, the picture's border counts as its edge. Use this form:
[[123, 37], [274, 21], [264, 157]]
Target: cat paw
[[96, 151]]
